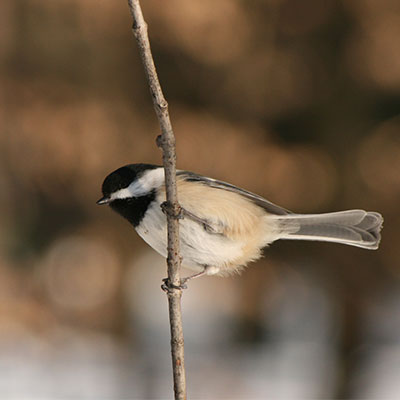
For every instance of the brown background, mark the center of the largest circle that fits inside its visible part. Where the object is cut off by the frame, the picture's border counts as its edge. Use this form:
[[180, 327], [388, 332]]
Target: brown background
[[295, 100]]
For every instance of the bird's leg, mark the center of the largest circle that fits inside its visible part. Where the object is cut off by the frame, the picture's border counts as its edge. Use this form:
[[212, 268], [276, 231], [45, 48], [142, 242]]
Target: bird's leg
[[197, 275], [167, 285], [183, 213], [208, 226]]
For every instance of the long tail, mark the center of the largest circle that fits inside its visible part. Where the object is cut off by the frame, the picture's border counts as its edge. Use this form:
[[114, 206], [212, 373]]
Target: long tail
[[353, 227]]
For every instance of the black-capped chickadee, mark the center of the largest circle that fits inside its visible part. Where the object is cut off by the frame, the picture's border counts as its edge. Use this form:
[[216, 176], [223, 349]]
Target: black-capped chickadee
[[224, 227]]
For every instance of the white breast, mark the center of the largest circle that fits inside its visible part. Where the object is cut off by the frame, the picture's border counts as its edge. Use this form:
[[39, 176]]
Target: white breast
[[198, 247]]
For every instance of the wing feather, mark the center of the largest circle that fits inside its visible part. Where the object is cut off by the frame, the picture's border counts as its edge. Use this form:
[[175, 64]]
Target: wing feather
[[260, 201]]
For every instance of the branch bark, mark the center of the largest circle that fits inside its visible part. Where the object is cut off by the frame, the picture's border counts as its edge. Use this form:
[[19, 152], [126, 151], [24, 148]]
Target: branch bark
[[167, 143]]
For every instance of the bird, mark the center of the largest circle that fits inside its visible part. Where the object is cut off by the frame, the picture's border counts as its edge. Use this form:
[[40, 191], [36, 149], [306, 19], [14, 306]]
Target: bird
[[223, 227]]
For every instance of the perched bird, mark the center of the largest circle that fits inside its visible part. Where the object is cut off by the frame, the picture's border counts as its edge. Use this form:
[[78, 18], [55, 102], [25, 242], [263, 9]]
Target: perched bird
[[224, 227]]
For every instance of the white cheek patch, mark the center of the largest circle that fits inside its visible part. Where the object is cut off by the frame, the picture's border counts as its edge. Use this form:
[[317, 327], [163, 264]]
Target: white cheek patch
[[149, 181], [121, 194]]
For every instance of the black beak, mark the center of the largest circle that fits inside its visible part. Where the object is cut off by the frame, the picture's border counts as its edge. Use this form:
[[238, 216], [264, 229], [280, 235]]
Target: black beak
[[103, 200]]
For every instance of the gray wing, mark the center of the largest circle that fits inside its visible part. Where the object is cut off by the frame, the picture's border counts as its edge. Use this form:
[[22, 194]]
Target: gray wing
[[260, 201]]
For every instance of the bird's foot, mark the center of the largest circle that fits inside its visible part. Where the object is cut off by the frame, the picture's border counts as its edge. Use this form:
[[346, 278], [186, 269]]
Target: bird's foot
[[174, 211], [168, 286]]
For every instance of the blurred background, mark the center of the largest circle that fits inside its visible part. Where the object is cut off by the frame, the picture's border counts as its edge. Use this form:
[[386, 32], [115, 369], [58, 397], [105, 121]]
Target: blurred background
[[296, 101]]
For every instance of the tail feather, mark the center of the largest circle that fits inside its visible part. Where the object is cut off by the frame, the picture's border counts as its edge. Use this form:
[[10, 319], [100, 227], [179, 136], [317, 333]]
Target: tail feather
[[353, 227]]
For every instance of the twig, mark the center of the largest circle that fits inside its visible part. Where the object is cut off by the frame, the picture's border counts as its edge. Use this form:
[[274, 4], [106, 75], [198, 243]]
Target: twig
[[167, 142]]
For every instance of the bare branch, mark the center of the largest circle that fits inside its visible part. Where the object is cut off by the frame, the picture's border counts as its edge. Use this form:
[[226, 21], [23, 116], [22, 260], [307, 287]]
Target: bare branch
[[167, 143]]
